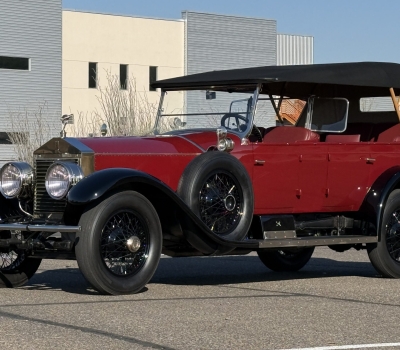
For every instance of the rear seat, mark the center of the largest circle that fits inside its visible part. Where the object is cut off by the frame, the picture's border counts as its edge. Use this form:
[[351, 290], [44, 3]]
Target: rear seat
[[290, 134], [362, 129], [342, 138], [390, 135], [368, 132]]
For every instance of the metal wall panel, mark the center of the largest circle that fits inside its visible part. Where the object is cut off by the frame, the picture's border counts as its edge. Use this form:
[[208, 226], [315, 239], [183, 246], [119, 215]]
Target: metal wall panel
[[294, 49], [30, 29], [216, 42], [376, 104]]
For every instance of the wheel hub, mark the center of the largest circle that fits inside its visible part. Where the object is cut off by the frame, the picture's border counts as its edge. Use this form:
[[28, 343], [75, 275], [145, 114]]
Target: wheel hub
[[133, 244], [125, 243], [230, 202]]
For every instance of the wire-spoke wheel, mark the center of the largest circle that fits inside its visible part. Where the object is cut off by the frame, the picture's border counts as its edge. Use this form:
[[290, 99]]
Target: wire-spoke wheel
[[393, 236], [385, 255], [221, 202], [217, 188], [119, 246], [125, 243], [16, 268]]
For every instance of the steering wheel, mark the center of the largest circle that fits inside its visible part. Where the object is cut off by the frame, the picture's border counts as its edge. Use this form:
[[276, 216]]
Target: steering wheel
[[255, 131], [237, 117]]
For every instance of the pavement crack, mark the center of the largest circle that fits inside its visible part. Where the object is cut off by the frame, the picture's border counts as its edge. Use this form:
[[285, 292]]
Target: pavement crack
[[305, 295], [86, 330]]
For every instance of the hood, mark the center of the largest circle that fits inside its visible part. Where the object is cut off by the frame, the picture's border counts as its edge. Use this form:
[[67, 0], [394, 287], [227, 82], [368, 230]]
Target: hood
[[185, 142], [192, 142]]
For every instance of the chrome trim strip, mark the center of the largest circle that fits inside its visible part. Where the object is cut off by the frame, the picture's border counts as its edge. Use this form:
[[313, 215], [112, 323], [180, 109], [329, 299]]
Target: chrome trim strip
[[315, 241], [159, 112], [247, 132], [193, 143], [78, 144], [39, 228]]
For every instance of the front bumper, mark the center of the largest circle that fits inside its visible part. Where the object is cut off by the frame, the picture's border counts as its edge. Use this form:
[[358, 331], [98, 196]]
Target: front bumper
[[39, 228]]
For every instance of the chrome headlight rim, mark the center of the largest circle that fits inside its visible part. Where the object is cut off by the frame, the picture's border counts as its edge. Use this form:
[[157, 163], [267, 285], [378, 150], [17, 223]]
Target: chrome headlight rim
[[25, 177], [74, 174]]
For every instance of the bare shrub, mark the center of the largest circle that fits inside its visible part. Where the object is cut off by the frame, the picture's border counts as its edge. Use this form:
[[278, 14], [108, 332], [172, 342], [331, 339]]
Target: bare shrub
[[126, 112], [29, 129], [85, 124]]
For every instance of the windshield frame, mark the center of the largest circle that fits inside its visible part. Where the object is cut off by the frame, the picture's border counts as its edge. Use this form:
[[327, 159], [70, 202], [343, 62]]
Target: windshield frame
[[242, 134]]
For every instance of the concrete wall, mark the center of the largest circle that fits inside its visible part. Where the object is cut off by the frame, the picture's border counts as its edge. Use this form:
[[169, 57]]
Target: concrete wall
[[111, 40], [30, 29]]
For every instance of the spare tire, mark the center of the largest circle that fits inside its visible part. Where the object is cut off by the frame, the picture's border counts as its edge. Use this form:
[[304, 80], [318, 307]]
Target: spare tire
[[217, 188]]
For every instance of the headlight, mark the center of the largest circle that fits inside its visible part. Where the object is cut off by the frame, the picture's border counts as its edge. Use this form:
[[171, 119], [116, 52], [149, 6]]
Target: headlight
[[16, 179], [60, 177]]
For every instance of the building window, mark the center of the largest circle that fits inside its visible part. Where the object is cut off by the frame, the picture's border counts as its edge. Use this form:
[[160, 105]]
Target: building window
[[18, 63], [123, 76], [92, 75], [152, 77]]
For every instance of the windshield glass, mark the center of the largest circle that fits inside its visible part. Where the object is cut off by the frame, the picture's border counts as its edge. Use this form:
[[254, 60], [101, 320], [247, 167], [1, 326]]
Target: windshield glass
[[209, 110], [204, 110]]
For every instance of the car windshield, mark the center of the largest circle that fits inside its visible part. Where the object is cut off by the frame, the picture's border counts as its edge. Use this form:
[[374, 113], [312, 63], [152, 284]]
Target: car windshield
[[209, 110], [205, 110]]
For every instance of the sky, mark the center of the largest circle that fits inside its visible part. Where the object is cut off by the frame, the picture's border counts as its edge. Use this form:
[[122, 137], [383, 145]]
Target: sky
[[343, 30]]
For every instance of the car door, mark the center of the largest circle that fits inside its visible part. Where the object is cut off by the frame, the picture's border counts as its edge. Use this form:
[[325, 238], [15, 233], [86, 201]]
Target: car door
[[275, 176], [312, 177], [348, 174]]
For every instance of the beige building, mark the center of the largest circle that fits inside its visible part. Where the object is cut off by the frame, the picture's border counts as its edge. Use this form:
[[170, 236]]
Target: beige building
[[139, 50], [97, 46]]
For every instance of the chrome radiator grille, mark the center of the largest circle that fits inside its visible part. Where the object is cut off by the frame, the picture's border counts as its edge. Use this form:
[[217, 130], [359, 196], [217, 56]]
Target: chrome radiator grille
[[43, 203]]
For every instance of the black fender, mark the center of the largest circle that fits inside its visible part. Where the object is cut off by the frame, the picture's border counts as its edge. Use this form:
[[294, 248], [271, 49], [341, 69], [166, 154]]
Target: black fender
[[95, 187], [375, 201]]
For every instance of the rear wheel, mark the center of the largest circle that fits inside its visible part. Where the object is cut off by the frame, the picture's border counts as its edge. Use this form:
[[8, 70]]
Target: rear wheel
[[119, 247], [16, 268], [385, 255], [285, 260]]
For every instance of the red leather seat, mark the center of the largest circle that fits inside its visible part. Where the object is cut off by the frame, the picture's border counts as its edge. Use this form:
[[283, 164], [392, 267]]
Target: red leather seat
[[390, 135], [342, 138], [290, 134]]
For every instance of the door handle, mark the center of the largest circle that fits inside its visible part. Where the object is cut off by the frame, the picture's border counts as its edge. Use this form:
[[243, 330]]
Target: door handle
[[370, 160], [259, 162]]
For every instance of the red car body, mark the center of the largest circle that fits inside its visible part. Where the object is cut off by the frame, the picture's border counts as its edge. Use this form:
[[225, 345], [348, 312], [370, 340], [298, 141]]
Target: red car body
[[332, 179]]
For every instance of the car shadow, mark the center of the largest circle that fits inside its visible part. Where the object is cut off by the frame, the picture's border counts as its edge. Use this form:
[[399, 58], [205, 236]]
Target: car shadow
[[248, 269], [207, 271]]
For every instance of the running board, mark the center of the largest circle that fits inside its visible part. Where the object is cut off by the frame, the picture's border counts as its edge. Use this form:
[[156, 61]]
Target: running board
[[315, 241]]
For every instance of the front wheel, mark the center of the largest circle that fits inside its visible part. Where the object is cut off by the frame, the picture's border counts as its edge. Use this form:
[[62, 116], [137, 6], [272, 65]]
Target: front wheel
[[16, 268], [119, 247], [385, 255], [286, 260]]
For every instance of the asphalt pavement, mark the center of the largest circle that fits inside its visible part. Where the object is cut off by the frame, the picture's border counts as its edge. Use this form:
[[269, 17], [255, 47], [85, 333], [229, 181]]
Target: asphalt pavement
[[235, 302]]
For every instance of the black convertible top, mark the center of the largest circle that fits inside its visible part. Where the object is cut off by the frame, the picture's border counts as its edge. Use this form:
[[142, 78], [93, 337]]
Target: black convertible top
[[334, 79]]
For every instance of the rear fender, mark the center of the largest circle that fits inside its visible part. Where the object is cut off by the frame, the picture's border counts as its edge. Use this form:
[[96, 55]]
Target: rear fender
[[375, 201]]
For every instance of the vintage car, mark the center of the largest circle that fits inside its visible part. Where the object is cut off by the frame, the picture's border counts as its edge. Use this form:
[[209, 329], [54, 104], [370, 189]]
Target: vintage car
[[229, 185]]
